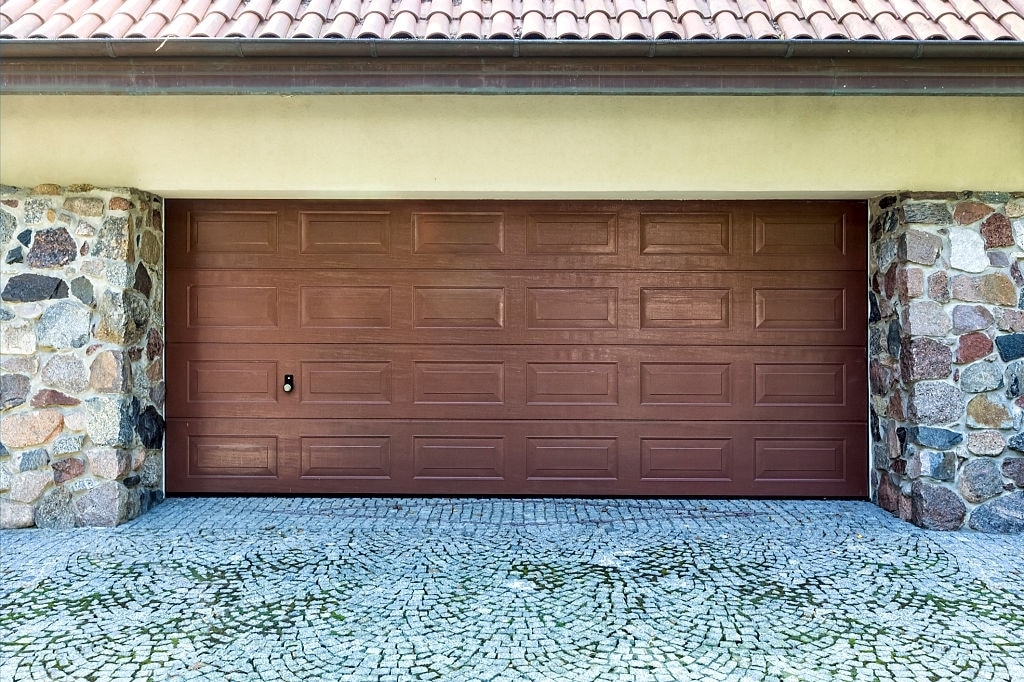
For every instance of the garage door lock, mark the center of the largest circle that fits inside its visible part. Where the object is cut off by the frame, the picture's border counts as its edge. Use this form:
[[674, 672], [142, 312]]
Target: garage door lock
[[289, 383]]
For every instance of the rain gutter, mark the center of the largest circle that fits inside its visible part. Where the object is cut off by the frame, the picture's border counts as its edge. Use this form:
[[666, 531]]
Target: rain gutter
[[189, 66]]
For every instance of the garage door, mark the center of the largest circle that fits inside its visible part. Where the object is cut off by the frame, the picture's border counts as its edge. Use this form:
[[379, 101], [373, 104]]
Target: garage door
[[662, 348]]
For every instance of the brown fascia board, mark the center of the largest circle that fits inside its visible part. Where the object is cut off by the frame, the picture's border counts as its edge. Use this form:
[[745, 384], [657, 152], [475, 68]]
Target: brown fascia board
[[671, 67]]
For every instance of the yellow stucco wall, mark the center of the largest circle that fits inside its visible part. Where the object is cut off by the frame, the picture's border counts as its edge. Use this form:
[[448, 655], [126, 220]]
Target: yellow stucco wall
[[523, 146]]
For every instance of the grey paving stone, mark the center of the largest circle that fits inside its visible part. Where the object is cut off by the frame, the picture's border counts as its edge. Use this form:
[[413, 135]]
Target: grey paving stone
[[368, 589]]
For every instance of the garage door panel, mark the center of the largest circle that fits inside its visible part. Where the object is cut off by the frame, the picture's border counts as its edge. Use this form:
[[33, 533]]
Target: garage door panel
[[518, 235], [797, 308], [519, 382], [525, 457]]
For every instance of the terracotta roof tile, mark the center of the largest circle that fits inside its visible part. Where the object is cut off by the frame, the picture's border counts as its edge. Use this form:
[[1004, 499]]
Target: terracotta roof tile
[[987, 20]]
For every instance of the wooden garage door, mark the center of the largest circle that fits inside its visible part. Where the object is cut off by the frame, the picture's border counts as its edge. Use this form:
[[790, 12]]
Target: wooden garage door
[[665, 348]]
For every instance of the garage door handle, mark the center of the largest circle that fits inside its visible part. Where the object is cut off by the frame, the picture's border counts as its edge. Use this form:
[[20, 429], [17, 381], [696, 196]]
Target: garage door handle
[[289, 383]]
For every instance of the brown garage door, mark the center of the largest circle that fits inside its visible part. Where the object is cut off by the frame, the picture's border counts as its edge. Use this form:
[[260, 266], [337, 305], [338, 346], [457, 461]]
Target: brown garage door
[[665, 348]]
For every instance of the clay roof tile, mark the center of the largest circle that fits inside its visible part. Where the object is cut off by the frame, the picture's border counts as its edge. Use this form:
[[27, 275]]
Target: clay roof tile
[[528, 19]]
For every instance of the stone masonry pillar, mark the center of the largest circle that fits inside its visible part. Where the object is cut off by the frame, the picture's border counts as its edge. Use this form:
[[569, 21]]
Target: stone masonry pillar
[[946, 358], [81, 355]]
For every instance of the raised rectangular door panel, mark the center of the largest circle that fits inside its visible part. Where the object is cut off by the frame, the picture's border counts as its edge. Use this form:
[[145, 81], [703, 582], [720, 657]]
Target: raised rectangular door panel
[[794, 459], [232, 306], [572, 458], [517, 347], [346, 383], [576, 308], [592, 383], [459, 307], [458, 457], [685, 383], [686, 233], [458, 233], [232, 455], [345, 307], [822, 235], [687, 459], [459, 383], [685, 308], [346, 457], [800, 309], [345, 232], [571, 234], [226, 381], [238, 232]]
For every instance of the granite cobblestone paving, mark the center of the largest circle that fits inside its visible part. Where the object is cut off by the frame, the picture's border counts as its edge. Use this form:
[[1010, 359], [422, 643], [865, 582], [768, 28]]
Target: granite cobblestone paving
[[264, 588]]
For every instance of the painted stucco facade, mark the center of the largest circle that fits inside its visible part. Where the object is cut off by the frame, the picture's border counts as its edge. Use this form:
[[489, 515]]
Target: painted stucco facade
[[519, 147], [524, 147]]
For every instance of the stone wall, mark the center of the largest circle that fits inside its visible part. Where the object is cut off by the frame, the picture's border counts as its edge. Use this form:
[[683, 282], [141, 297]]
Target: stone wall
[[81, 356], [946, 349]]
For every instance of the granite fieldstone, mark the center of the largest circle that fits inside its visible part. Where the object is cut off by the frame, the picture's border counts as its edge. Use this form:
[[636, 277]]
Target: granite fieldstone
[[1015, 208], [927, 213], [14, 390], [1002, 515], [89, 207], [109, 463], [82, 289], [150, 427], [926, 318], [1013, 469], [30, 428], [1011, 346], [940, 466], [967, 250], [66, 372], [110, 372], [54, 510], [1011, 320], [938, 286], [110, 420], [48, 397], [924, 358], [919, 247], [981, 377], [17, 339], [988, 443], [52, 248], [984, 412], [104, 505], [28, 287], [64, 325], [996, 231], [30, 460], [16, 514], [66, 469], [27, 486], [935, 402], [930, 437], [967, 212], [971, 318], [935, 507], [973, 346]]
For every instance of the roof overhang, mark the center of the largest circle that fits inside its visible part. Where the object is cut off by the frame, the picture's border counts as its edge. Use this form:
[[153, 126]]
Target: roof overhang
[[190, 66]]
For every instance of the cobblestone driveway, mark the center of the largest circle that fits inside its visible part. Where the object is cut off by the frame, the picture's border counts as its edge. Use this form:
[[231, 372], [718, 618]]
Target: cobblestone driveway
[[466, 589]]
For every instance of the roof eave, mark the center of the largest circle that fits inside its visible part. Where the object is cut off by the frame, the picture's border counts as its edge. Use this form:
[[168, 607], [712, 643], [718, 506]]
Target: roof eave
[[699, 67]]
